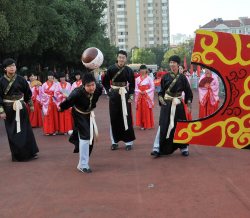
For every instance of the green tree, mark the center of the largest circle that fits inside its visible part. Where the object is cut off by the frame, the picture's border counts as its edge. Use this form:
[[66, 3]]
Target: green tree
[[143, 56], [52, 32], [4, 27], [159, 52], [182, 50], [22, 25]]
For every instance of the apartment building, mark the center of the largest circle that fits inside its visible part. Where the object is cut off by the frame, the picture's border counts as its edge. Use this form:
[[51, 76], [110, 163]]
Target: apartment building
[[138, 23], [240, 26]]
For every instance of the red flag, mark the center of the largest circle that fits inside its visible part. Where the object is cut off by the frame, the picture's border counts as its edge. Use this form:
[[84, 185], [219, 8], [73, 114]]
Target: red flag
[[198, 70], [185, 63]]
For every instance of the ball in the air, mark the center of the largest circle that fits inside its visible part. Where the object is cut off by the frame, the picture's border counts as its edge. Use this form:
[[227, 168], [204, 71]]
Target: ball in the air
[[92, 58]]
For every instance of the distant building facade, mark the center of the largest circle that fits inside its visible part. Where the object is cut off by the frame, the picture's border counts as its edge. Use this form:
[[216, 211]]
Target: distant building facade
[[179, 38], [138, 23], [240, 26]]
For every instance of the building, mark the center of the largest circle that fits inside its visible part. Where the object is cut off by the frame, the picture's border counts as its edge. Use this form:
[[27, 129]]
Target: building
[[138, 23], [240, 26], [179, 38]]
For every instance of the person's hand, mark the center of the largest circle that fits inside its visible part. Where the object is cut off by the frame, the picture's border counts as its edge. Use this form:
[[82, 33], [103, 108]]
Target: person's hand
[[207, 85], [189, 106], [32, 108], [59, 109], [161, 100], [131, 98], [142, 92], [3, 116]]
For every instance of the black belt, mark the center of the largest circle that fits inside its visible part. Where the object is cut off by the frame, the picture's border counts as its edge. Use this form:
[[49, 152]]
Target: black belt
[[121, 84]]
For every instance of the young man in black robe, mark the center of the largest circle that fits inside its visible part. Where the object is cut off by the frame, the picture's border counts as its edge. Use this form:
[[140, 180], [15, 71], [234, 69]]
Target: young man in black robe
[[83, 100], [172, 109], [119, 83], [14, 93]]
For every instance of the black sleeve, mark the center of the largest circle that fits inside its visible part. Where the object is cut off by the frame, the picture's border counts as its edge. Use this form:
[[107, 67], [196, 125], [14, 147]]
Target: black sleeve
[[131, 81], [106, 80], [27, 92], [70, 100], [99, 89], [187, 90], [1, 96], [162, 91]]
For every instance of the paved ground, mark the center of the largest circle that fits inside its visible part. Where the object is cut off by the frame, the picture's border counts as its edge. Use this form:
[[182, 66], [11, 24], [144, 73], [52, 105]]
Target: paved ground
[[211, 182]]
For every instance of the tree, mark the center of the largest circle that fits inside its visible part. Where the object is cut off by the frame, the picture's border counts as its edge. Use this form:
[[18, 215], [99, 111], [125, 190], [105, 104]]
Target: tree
[[182, 50], [22, 25], [143, 56], [159, 52], [4, 27], [52, 32]]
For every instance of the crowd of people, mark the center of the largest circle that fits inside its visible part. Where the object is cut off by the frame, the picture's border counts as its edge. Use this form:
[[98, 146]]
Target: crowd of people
[[60, 107]]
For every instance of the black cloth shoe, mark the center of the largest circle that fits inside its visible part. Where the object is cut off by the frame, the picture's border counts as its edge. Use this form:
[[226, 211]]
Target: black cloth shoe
[[35, 156], [155, 153], [185, 153], [114, 146], [14, 159], [85, 170], [128, 148]]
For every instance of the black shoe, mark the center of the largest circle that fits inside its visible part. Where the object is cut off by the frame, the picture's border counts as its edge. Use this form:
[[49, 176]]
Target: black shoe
[[14, 159], [185, 153], [128, 148], [114, 146], [85, 170], [155, 153]]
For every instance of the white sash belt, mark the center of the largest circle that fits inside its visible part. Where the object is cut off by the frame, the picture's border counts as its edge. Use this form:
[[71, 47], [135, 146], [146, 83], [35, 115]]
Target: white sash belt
[[93, 126], [175, 101], [122, 92], [17, 106]]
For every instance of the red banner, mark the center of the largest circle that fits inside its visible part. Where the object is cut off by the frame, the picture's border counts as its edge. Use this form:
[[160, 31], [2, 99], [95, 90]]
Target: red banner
[[228, 56]]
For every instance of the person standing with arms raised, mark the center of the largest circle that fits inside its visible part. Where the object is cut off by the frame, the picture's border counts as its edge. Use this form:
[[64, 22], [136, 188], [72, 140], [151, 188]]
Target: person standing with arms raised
[[119, 83]]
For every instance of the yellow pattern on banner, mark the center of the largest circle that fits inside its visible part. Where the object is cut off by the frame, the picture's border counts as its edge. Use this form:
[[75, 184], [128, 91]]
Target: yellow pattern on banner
[[241, 137], [198, 56]]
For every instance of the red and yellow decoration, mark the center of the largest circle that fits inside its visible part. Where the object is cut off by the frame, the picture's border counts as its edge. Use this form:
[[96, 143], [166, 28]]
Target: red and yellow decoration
[[229, 56]]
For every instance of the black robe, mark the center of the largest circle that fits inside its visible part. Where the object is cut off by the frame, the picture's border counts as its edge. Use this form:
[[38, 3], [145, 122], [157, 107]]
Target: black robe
[[84, 102], [167, 146], [115, 104], [23, 145]]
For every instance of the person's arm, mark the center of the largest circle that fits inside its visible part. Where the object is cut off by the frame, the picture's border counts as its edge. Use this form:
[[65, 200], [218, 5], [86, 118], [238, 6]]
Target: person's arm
[[152, 86], [162, 93], [2, 112], [131, 81], [188, 94], [70, 100], [27, 93], [106, 81]]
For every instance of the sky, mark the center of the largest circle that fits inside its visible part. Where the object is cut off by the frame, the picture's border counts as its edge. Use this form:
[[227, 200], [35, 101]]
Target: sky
[[187, 15]]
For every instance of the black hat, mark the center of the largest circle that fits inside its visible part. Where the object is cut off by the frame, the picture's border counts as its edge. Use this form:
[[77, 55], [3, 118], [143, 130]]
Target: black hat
[[8, 61], [175, 58], [78, 72], [50, 73], [143, 67], [61, 75]]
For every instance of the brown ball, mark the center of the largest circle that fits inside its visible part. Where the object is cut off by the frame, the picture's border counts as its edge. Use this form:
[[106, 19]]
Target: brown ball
[[89, 55]]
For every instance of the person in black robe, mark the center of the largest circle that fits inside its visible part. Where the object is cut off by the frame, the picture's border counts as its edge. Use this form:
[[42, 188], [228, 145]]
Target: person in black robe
[[14, 93], [83, 100], [172, 109], [119, 83]]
